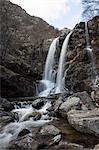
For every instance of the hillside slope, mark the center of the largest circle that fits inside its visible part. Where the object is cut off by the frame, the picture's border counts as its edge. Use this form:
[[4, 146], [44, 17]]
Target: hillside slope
[[20, 36]]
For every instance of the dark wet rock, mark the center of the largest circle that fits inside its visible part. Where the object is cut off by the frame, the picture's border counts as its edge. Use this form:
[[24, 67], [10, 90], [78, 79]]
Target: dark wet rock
[[15, 116], [55, 140], [37, 104], [16, 85], [85, 121], [3, 113], [37, 117], [5, 118], [23, 132], [49, 130], [6, 105], [53, 111]]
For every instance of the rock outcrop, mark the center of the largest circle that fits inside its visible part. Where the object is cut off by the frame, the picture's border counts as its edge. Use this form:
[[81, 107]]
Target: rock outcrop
[[81, 72], [21, 37], [78, 101], [85, 121], [6, 105]]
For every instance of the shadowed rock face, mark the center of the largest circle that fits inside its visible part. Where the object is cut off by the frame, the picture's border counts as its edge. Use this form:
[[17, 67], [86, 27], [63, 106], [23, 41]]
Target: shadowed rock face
[[21, 60]]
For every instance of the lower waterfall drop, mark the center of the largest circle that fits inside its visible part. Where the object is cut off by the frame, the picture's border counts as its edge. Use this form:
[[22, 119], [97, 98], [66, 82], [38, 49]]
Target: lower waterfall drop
[[47, 84]]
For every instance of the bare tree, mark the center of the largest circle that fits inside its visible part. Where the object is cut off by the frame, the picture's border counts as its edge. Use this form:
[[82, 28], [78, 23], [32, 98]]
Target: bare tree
[[90, 9]]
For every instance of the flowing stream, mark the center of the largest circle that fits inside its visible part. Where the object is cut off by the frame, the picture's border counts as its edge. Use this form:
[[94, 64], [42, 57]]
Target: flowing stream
[[11, 131]]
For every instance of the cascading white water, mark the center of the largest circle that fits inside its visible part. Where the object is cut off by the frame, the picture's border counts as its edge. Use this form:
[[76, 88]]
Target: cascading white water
[[11, 131], [90, 52], [50, 62], [60, 74], [87, 35], [48, 82]]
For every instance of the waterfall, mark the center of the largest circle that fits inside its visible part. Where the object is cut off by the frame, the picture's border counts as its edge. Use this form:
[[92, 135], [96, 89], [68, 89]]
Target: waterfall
[[87, 35], [50, 62], [91, 55], [60, 74], [48, 83]]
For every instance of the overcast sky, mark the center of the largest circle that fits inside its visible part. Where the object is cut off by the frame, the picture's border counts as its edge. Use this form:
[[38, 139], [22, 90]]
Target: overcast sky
[[59, 13]]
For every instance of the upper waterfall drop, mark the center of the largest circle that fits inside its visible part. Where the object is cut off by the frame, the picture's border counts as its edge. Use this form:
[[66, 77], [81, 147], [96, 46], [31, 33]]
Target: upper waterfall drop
[[87, 35], [48, 81], [60, 74], [50, 62]]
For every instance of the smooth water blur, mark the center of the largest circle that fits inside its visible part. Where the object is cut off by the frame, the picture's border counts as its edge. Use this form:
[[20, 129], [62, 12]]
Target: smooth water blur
[[87, 35], [47, 84], [11, 131], [47, 87], [60, 74], [48, 71]]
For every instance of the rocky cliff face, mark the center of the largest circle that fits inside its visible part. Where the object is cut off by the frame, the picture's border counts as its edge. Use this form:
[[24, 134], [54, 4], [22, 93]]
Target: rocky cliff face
[[81, 65], [81, 71], [24, 43], [21, 61]]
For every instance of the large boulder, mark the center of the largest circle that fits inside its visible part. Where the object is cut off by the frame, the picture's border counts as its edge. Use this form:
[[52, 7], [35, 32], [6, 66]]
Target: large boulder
[[38, 103], [85, 121], [69, 104], [78, 101], [23, 132], [49, 130], [6, 105], [86, 99]]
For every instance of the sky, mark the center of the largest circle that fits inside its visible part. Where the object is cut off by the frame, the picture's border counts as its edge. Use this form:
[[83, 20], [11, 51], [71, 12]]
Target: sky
[[58, 13]]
